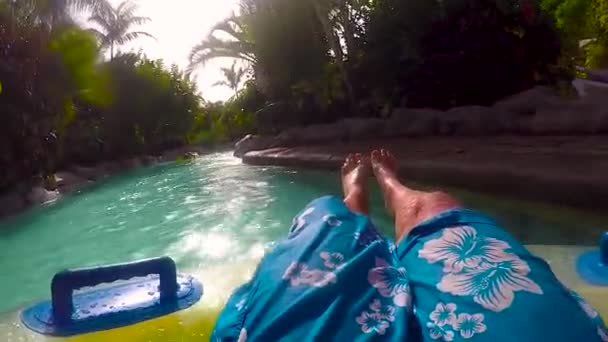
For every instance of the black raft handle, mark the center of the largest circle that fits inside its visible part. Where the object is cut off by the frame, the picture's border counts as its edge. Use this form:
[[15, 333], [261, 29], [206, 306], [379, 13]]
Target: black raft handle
[[66, 282]]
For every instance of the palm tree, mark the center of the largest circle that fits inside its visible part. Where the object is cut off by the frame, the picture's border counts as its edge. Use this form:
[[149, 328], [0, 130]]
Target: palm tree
[[115, 24], [237, 46], [233, 77]]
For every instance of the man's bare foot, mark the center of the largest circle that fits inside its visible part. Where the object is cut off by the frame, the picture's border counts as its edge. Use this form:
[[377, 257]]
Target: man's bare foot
[[410, 207], [384, 166], [355, 172]]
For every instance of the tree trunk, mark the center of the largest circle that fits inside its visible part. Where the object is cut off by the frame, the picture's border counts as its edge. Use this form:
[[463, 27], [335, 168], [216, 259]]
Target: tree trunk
[[334, 41], [112, 51]]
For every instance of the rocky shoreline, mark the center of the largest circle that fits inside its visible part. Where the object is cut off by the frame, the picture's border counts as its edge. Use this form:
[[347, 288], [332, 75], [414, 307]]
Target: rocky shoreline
[[534, 145], [75, 177], [564, 170]]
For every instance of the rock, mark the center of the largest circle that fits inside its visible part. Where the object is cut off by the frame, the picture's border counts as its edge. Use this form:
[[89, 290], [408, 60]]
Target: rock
[[67, 181], [132, 163], [39, 195], [595, 93], [253, 143], [469, 121], [12, 202], [358, 128], [189, 156], [412, 122], [90, 173], [149, 160], [529, 101]]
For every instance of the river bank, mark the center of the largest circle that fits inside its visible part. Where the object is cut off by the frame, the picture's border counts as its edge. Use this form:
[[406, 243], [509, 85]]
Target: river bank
[[75, 177], [565, 170]]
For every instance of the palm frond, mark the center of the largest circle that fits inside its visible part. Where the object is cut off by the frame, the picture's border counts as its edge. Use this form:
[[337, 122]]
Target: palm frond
[[200, 59], [126, 7], [89, 5], [234, 49], [221, 83], [127, 37], [98, 34], [231, 26], [100, 20], [137, 20]]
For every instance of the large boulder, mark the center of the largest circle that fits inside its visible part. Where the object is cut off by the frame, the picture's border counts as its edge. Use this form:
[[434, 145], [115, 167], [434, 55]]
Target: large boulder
[[253, 143], [412, 122], [574, 117], [469, 121], [529, 101], [90, 173], [67, 181], [359, 128], [40, 195]]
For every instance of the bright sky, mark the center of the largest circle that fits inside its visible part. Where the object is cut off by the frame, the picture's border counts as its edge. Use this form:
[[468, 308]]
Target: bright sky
[[178, 25]]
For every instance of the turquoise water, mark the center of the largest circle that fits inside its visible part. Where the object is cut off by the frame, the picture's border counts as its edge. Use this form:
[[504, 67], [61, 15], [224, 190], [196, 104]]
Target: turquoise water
[[206, 212]]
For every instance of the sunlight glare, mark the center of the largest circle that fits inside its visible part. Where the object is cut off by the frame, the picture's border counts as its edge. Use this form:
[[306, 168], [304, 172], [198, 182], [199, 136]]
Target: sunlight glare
[[178, 25]]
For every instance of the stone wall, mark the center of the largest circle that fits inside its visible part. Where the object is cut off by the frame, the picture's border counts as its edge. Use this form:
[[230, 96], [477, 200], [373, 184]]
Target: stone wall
[[538, 111]]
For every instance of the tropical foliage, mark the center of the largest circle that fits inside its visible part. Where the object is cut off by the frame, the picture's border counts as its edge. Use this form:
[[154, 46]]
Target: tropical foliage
[[321, 58], [233, 77], [583, 23], [296, 62], [61, 103]]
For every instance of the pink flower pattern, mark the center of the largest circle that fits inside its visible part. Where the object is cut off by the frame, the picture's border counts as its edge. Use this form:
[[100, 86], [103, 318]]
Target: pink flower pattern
[[391, 282], [299, 274], [332, 260], [372, 322], [469, 325], [386, 312], [444, 314], [436, 332], [480, 267]]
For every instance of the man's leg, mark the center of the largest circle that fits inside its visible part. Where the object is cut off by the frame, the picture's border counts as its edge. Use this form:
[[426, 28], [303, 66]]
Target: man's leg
[[471, 279]]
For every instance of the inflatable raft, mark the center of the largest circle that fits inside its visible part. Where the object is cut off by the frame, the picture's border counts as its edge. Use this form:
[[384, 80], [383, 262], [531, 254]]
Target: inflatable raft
[[142, 301], [149, 301]]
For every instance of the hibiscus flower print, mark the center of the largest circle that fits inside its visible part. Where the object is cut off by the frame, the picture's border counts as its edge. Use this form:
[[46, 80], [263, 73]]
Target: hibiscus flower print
[[444, 314], [300, 274], [367, 236], [300, 221], [332, 260], [386, 312], [372, 322], [436, 332], [293, 273], [460, 247], [391, 282], [332, 220], [492, 285], [603, 332], [469, 325], [317, 278]]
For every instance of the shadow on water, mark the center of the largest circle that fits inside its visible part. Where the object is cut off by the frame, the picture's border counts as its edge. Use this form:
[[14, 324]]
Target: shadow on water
[[529, 221]]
